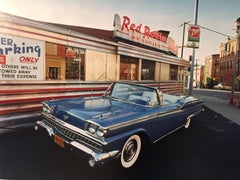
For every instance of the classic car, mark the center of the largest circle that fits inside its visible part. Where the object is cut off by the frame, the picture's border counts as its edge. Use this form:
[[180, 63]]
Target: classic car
[[118, 123]]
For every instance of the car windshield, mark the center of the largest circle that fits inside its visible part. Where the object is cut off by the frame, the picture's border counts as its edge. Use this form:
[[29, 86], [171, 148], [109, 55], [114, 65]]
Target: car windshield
[[135, 93]]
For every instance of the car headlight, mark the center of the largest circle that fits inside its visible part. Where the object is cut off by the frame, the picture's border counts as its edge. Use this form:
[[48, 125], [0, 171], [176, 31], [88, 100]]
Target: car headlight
[[100, 132], [96, 130], [48, 110], [92, 128]]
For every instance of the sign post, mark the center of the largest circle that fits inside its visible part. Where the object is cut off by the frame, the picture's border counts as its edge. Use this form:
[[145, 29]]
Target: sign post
[[193, 53]]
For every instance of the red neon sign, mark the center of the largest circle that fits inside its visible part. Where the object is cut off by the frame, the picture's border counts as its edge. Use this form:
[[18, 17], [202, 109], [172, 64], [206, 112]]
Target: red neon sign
[[147, 33]]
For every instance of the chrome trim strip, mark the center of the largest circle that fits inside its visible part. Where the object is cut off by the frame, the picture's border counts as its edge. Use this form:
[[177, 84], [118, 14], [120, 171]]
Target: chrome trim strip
[[83, 148], [168, 134], [98, 157], [49, 129], [194, 114], [146, 118]]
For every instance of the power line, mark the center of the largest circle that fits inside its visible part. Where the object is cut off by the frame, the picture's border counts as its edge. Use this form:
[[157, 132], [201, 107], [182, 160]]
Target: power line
[[216, 32]]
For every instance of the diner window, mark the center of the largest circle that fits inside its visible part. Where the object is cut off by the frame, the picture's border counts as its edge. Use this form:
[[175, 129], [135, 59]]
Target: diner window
[[53, 73], [173, 72], [75, 60], [147, 70], [128, 68], [55, 61]]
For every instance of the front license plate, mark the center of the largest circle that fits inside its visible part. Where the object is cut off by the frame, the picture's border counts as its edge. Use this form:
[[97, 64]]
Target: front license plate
[[58, 140]]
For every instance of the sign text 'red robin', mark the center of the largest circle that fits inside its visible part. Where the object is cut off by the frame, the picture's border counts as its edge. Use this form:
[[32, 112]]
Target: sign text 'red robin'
[[139, 33]]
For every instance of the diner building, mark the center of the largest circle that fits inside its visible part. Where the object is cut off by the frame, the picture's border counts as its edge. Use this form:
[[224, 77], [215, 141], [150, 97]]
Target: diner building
[[46, 60], [34, 50]]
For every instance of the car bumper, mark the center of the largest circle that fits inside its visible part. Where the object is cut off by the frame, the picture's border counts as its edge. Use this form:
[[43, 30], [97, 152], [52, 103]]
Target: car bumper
[[95, 157]]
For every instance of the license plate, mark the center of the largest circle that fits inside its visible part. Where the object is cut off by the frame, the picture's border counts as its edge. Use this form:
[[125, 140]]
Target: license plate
[[58, 140]]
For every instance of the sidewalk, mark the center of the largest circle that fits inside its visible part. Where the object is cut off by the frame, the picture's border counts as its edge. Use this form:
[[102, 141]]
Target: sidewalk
[[222, 107]]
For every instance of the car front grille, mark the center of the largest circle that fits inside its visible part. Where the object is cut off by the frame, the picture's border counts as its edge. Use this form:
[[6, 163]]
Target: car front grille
[[70, 135]]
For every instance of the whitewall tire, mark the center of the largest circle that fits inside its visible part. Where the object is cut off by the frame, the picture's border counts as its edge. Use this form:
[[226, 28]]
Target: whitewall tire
[[130, 151]]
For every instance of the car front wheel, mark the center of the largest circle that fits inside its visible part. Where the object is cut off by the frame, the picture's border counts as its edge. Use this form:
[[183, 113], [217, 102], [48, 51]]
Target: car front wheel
[[131, 151]]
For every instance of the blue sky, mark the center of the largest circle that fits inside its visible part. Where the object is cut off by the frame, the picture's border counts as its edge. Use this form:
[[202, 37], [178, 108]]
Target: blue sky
[[218, 15]]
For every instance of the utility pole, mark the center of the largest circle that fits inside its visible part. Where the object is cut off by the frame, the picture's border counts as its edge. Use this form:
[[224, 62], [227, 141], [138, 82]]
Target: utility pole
[[183, 35], [193, 52]]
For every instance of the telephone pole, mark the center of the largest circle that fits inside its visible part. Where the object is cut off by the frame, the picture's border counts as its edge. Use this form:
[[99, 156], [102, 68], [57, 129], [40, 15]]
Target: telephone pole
[[193, 52]]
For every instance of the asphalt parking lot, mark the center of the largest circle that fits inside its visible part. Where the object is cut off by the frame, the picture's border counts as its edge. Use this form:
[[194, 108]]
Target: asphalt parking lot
[[209, 150]]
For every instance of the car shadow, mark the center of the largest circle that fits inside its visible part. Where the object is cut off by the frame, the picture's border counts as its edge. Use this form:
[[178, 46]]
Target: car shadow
[[208, 149]]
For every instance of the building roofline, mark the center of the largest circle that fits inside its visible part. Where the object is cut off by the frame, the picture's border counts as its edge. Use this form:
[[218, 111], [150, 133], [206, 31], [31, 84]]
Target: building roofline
[[100, 35]]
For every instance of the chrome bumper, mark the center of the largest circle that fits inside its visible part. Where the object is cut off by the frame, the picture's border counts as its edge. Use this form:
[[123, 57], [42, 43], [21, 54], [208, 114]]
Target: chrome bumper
[[95, 158]]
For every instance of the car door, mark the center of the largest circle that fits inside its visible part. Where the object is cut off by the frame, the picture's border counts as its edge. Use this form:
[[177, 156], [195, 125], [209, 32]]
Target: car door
[[170, 118]]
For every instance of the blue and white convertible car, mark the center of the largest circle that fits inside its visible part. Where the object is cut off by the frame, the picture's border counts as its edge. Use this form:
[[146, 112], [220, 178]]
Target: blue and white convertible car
[[116, 124]]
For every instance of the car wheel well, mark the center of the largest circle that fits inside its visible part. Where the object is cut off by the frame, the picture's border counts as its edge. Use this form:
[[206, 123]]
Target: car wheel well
[[144, 137]]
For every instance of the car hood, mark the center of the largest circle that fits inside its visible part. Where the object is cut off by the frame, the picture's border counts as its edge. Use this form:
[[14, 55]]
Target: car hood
[[102, 110]]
